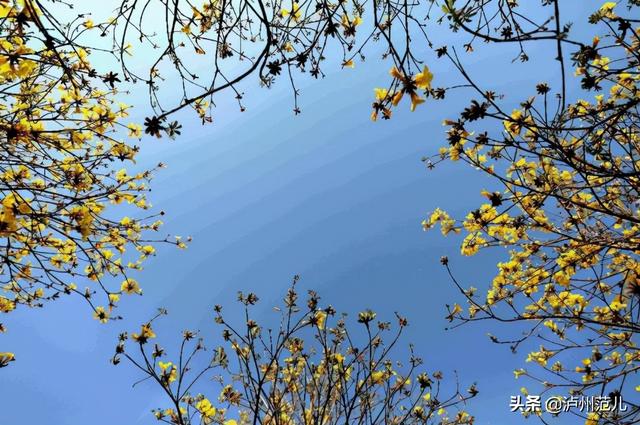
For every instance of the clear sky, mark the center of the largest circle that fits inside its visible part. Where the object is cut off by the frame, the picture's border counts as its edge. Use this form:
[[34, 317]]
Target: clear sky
[[328, 195]]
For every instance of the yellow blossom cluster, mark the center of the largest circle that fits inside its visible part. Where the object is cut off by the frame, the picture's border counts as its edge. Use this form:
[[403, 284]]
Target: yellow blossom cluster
[[565, 210], [309, 371], [63, 182], [401, 85]]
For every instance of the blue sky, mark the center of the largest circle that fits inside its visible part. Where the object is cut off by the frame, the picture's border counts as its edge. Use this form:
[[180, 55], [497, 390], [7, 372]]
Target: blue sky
[[328, 195]]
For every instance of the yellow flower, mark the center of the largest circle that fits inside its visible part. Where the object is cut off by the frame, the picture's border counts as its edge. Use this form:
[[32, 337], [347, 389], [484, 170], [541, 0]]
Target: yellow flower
[[101, 315], [415, 101], [381, 94], [321, 318], [148, 250], [617, 304], [130, 286], [173, 375], [348, 64], [6, 358], [471, 244], [205, 408], [164, 366], [593, 418], [514, 125], [395, 73], [346, 22], [6, 305], [295, 12], [135, 130], [423, 79], [378, 377], [5, 9], [145, 334], [608, 6], [397, 98]]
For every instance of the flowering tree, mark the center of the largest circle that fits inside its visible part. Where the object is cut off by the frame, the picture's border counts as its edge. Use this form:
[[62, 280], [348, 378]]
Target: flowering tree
[[564, 161], [63, 161], [63, 185], [264, 41], [566, 204], [312, 369]]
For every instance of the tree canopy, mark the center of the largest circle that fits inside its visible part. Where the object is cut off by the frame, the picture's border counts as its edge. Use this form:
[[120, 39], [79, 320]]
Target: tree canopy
[[313, 367], [563, 207], [62, 170], [566, 208]]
